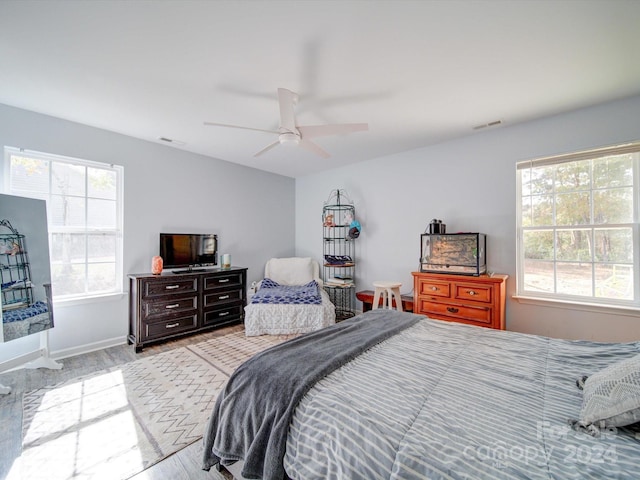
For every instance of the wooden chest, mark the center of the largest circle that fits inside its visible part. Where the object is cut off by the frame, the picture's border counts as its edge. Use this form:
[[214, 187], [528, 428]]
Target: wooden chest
[[475, 300]]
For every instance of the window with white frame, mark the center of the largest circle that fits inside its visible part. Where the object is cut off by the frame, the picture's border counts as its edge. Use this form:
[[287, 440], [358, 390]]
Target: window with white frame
[[84, 209], [577, 221]]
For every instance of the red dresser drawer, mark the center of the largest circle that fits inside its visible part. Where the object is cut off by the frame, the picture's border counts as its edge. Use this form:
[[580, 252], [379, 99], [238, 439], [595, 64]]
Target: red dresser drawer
[[478, 315], [475, 293], [434, 288]]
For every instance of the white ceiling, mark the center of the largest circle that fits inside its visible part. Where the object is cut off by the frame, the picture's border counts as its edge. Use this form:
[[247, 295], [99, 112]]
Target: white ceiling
[[419, 72]]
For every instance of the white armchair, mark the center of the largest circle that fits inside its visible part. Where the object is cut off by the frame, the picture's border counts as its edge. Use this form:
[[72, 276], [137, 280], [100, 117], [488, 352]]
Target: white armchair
[[293, 270]]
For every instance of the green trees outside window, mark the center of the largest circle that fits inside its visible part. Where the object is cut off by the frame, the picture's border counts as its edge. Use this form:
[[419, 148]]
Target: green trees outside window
[[578, 226]]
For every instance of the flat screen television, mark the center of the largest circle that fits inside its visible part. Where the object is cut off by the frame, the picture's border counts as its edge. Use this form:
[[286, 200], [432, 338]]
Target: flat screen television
[[188, 250]]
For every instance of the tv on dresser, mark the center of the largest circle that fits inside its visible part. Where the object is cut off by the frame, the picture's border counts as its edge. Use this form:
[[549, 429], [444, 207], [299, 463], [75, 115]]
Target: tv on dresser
[[188, 250]]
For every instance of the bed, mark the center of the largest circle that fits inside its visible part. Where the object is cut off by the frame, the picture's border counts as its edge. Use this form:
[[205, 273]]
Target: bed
[[24, 321], [431, 400], [281, 317]]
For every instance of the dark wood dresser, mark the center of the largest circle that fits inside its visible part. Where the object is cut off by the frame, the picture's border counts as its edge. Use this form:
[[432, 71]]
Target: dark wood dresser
[[170, 305], [460, 298]]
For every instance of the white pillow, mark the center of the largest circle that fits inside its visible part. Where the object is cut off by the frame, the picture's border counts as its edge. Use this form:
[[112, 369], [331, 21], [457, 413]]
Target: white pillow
[[612, 395], [291, 271]]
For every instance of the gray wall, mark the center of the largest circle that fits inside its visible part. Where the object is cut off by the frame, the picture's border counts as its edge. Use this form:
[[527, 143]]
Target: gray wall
[[469, 183], [165, 189]]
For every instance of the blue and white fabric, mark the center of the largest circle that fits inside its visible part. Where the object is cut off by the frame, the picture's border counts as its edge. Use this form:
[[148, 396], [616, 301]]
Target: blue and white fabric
[[288, 318], [25, 313], [271, 292]]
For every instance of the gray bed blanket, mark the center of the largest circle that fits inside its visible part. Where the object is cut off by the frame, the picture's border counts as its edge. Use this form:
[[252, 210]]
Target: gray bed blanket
[[251, 417]]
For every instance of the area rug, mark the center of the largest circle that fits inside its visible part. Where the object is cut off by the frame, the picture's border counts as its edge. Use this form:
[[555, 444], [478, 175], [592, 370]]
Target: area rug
[[117, 422]]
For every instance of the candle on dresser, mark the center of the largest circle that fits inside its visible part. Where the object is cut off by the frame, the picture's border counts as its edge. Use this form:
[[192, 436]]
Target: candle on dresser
[[226, 260]]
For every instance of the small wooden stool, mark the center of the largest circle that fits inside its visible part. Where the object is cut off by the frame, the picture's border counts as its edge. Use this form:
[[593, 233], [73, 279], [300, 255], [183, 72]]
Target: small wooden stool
[[387, 290]]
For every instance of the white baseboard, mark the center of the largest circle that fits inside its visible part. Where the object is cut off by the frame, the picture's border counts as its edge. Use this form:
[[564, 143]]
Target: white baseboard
[[88, 348]]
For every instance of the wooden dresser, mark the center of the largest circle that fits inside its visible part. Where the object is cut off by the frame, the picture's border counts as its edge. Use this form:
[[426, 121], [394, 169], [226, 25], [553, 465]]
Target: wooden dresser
[[168, 305], [460, 298]]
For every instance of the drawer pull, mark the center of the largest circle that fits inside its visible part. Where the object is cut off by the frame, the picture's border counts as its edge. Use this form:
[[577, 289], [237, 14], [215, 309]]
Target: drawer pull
[[435, 289], [223, 297], [471, 292], [452, 310], [173, 325], [175, 305], [171, 287], [223, 280], [222, 314]]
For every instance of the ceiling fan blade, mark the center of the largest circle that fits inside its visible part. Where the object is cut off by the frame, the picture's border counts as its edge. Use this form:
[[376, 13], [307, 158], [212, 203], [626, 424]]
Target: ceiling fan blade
[[287, 99], [241, 128], [267, 148], [313, 131], [312, 147]]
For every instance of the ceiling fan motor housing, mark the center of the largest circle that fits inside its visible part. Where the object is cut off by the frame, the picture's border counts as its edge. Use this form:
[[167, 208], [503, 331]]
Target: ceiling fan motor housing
[[289, 137]]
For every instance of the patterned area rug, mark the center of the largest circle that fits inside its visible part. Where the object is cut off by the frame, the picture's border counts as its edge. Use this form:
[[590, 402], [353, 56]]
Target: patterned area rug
[[117, 422]]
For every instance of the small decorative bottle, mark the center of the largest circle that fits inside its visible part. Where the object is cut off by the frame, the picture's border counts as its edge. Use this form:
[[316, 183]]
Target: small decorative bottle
[[156, 265]]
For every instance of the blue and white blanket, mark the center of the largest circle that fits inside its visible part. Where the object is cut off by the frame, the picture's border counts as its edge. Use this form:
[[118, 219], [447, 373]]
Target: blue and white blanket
[[36, 308], [272, 292]]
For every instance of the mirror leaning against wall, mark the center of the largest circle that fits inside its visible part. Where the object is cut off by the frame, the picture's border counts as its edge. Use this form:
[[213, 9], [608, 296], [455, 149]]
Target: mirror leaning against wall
[[25, 270]]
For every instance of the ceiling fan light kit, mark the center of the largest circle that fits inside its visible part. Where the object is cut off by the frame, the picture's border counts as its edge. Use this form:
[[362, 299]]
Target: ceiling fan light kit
[[290, 133]]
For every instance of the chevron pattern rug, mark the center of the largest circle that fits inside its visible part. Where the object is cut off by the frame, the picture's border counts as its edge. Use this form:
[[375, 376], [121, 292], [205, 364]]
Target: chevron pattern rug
[[118, 422]]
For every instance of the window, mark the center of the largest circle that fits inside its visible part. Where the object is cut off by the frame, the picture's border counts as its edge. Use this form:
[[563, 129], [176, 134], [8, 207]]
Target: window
[[578, 237], [84, 209]]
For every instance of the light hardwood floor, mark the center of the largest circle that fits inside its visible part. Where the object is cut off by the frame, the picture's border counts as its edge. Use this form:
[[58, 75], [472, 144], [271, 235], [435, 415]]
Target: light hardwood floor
[[184, 464]]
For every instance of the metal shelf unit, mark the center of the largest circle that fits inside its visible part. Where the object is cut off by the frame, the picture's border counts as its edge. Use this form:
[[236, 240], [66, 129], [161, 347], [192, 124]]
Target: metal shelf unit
[[339, 260], [15, 272]]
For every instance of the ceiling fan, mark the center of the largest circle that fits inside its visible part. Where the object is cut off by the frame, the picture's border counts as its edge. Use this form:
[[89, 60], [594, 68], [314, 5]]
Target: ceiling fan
[[291, 133]]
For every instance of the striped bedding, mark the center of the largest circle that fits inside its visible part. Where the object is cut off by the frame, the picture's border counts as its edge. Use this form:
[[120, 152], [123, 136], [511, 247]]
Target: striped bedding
[[443, 400]]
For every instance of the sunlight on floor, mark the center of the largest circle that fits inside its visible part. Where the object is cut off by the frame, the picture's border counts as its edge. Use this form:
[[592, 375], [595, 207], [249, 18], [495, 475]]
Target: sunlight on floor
[[84, 429]]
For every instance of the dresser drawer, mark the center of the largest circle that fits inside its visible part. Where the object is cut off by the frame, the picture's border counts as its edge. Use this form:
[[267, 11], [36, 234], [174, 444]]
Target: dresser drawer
[[229, 280], [169, 306], [222, 315], [434, 288], [172, 326], [222, 297], [475, 293], [177, 286], [477, 315]]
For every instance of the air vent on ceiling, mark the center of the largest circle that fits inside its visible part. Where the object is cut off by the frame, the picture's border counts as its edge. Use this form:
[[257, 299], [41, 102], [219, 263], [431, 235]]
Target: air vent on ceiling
[[170, 140], [490, 124]]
